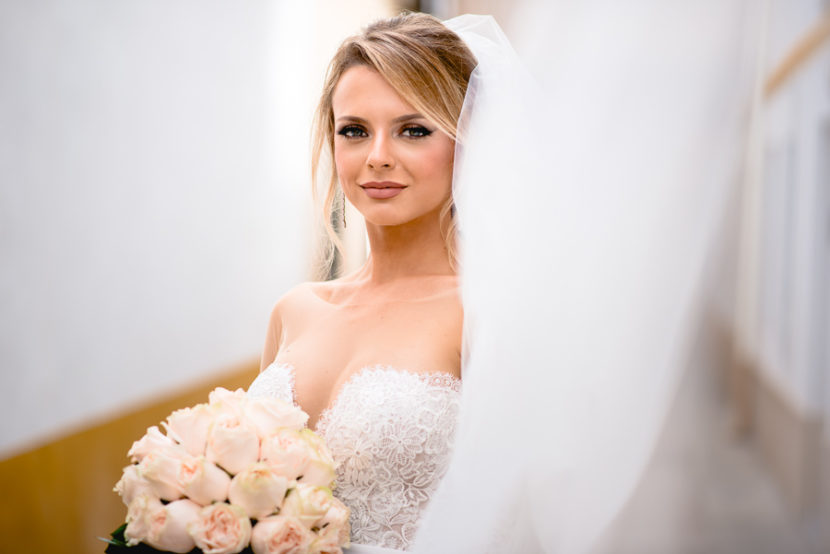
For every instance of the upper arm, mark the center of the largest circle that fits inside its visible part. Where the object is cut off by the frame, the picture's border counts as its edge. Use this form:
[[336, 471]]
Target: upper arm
[[272, 338]]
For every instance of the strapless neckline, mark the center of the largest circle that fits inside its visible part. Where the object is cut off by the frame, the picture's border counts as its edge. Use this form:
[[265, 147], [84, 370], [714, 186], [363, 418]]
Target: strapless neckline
[[443, 379]]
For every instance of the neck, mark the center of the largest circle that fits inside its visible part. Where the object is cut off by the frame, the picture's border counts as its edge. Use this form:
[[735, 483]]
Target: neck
[[416, 248]]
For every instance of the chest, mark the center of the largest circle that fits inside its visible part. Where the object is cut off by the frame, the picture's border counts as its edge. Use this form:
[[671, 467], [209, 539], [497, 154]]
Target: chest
[[331, 344], [374, 334]]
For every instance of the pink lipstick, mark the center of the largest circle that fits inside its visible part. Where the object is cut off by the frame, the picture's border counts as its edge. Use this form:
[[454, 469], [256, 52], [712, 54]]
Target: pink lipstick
[[383, 189]]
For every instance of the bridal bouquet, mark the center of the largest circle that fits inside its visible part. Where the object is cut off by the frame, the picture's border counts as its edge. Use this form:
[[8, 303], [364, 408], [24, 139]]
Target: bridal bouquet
[[234, 474]]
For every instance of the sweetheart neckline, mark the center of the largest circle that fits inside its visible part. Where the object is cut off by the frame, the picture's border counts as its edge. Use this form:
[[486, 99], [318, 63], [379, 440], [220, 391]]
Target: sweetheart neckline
[[435, 377], [390, 434]]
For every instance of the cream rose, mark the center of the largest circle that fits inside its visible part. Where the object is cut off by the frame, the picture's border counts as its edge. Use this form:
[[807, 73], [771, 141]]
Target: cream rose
[[318, 473], [221, 529], [232, 444], [270, 414], [308, 504], [140, 512], [132, 484], [162, 473], [318, 445], [154, 441], [224, 402], [287, 453], [334, 526], [203, 481], [324, 545], [189, 427], [258, 490], [320, 468], [280, 535]]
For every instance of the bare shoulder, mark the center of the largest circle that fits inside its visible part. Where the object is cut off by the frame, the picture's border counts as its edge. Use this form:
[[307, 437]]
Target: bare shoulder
[[300, 302], [296, 297], [285, 315]]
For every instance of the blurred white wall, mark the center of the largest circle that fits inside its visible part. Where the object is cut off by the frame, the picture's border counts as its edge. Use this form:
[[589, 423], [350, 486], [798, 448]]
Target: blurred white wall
[[154, 194]]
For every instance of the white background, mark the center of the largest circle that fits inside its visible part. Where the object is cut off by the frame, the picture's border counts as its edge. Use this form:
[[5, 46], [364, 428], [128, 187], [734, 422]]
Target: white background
[[154, 194]]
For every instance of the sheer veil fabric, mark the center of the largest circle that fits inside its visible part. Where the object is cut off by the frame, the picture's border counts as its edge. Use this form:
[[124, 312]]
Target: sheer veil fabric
[[589, 184]]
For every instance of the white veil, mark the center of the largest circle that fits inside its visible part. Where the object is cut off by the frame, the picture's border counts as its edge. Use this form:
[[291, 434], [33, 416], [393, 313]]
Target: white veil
[[588, 188]]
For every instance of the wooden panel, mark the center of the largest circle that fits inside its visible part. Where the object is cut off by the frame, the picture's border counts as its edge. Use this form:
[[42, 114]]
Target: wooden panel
[[802, 50], [58, 498]]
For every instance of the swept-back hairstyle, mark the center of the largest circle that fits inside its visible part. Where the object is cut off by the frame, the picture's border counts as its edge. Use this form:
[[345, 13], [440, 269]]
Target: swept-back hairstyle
[[427, 64]]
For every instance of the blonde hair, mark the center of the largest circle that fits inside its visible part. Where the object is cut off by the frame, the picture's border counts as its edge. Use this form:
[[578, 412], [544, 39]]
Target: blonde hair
[[428, 65]]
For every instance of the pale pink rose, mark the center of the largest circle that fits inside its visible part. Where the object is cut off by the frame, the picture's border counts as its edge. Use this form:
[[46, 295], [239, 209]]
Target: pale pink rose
[[269, 414], [258, 490], [162, 527], [154, 441], [280, 535], [221, 529], [334, 526], [308, 503], [189, 427], [132, 484], [232, 444], [168, 527], [203, 481], [224, 402], [162, 473], [287, 453], [141, 511]]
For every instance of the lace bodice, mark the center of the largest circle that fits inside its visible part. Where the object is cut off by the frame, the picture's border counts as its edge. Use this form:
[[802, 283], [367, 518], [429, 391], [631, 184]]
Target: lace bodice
[[390, 432]]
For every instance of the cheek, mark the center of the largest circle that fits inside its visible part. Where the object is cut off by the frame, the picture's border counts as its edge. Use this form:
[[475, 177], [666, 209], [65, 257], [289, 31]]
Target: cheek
[[436, 166], [346, 164]]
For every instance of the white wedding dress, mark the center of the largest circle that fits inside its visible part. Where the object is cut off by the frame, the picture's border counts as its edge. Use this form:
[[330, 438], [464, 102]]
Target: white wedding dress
[[390, 432]]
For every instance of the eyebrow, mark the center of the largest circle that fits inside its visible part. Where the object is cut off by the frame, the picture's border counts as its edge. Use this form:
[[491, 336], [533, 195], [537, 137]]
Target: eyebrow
[[407, 117]]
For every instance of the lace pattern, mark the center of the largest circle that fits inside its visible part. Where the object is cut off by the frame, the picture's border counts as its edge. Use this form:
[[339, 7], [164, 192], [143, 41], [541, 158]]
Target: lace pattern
[[390, 432], [276, 381]]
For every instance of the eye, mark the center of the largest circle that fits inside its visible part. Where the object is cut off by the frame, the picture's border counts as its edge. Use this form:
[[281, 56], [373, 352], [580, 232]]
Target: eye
[[416, 131], [352, 131]]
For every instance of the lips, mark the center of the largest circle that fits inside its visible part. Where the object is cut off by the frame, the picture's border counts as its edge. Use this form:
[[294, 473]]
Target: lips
[[382, 189]]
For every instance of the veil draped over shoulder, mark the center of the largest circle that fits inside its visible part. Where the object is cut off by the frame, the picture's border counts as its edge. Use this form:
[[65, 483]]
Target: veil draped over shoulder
[[589, 184]]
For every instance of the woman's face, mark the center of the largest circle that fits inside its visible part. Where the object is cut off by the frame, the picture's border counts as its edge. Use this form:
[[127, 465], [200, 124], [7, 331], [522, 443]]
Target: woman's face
[[394, 165]]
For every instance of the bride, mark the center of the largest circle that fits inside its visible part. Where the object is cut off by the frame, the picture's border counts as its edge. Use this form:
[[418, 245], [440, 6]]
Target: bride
[[374, 357], [571, 226]]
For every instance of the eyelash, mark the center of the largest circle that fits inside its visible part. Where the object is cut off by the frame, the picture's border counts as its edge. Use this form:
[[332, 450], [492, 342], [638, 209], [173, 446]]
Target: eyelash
[[354, 131], [351, 131], [422, 131]]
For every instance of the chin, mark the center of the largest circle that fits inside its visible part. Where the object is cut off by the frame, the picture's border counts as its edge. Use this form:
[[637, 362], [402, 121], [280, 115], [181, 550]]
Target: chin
[[390, 216], [386, 219]]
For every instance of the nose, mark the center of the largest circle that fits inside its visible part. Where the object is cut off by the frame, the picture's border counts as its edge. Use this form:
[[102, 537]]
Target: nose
[[380, 154]]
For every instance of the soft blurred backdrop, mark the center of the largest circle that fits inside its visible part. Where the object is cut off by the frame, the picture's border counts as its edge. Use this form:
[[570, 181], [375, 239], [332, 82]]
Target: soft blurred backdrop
[[155, 203]]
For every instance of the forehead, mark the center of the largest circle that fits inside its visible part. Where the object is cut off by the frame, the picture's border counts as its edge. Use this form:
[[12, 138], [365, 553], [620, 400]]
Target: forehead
[[363, 91]]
